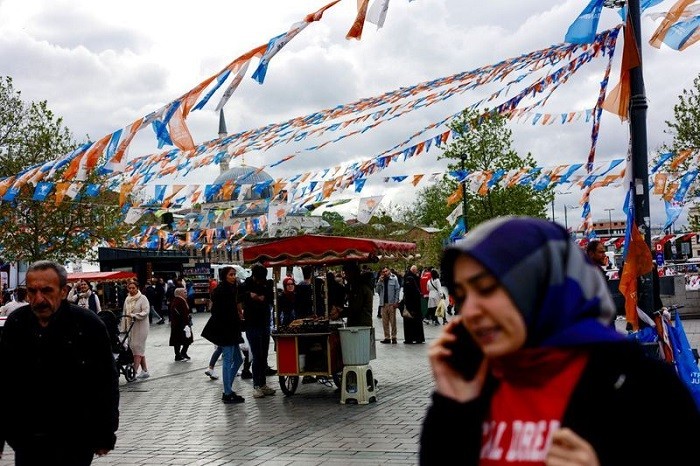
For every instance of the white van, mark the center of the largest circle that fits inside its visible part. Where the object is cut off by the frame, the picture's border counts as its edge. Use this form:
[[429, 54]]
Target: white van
[[241, 272]]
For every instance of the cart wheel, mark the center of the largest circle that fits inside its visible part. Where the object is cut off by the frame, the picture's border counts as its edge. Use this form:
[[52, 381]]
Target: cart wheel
[[289, 384], [129, 373], [338, 379]]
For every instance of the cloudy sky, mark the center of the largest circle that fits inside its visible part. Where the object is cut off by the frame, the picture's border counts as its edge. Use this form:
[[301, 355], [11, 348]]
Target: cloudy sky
[[102, 64]]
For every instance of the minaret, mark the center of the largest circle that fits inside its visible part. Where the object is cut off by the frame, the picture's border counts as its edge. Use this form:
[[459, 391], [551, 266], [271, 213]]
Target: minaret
[[223, 165]]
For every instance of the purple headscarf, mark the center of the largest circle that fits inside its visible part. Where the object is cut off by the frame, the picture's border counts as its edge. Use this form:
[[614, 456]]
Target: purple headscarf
[[563, 298]]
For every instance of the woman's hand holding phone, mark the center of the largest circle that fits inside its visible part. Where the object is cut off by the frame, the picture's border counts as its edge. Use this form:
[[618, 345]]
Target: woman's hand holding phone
[[459, 368]]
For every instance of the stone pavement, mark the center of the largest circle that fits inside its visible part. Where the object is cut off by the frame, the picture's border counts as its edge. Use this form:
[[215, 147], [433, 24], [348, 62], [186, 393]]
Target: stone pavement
[[176, 416]]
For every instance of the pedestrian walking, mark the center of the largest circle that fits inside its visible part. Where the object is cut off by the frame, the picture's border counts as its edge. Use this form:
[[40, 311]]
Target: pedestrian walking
[[180, 329], [136, 310], [57, 371], [531, 372], [224, 330], [389, 292]]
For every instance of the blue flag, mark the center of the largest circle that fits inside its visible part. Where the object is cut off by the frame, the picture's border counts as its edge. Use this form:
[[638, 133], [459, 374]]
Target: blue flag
[[583, 29], [686, 366]]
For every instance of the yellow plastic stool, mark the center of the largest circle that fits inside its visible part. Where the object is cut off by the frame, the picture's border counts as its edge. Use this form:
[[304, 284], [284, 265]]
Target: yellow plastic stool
[[357, 385]]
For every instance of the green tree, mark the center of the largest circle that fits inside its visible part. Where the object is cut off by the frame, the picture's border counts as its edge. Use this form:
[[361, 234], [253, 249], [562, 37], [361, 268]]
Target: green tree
[[483, 144], [685, 130], [31, 230], [686, 127]]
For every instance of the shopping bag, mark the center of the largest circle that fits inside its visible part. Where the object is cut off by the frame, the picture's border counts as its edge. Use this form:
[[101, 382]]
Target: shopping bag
[[441, 309]]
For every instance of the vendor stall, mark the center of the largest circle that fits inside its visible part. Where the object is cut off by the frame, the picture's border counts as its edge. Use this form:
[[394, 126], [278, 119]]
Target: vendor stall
[[311, 347]]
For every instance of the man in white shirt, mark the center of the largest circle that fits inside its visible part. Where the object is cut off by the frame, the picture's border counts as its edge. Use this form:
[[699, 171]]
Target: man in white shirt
[[20, 300]]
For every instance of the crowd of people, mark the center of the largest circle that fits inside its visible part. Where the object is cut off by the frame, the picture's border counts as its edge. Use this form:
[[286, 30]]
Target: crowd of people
[[529, 365]]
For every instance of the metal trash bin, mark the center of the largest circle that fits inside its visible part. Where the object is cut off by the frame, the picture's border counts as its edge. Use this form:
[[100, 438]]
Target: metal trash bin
[[354, 345]]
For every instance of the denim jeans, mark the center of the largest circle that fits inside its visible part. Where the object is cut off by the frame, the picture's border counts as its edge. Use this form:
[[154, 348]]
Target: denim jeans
[[232, 362], [215, 356]]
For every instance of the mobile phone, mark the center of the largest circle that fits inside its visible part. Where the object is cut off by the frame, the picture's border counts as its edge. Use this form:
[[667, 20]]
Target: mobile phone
[[466, 355]]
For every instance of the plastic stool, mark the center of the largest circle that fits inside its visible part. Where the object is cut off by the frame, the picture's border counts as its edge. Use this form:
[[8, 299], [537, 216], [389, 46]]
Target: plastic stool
[[358, 385]]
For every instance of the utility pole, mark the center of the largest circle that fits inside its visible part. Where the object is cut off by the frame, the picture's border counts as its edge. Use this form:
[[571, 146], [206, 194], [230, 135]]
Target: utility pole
[[640, 159], [609, 221]]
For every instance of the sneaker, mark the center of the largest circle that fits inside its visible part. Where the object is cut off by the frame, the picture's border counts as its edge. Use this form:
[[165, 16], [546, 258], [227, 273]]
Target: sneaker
[[211, 374], [267, 390], [246, 374], [232, 398], [258, 393], [143, 375], [270, 371], [160, 322]]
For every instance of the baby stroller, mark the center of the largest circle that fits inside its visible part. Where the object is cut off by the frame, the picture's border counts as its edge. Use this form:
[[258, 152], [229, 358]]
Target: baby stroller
[[123, 356]]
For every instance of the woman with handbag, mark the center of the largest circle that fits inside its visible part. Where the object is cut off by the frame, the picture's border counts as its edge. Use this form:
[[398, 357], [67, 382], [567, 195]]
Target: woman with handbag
[[180, 329], [434, 295], [411, 312]]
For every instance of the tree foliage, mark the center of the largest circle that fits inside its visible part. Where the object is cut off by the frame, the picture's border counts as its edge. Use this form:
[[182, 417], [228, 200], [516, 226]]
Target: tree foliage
[[30, 134], [686, 127], [685, 130], [483, 144]]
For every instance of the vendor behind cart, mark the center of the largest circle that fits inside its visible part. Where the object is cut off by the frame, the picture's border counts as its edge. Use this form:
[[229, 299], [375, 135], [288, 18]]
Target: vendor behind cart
[[360, 293]]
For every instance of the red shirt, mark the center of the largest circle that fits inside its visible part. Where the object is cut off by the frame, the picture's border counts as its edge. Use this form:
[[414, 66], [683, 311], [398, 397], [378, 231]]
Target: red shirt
[[424, 279], [528, 406]]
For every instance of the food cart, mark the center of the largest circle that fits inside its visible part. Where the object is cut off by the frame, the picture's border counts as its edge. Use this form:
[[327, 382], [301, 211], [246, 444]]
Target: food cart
[[312, 346]]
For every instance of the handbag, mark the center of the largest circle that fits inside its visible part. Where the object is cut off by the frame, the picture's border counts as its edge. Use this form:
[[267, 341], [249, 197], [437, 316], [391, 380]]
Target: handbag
[[406, 315]]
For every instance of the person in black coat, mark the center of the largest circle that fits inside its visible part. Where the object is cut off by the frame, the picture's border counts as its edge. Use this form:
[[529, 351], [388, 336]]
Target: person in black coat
[[224, 329], [531, 371], [412, 326], [180, 329], [60, 384]]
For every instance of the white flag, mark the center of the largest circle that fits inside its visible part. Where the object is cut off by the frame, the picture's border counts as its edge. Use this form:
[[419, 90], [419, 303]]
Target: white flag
[[377, 12], [454, 216], [133, 215], [276, 212], [367, 207]]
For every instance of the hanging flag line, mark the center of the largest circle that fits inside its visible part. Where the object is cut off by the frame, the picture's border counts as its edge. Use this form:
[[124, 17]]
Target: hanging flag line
[[271, 135]]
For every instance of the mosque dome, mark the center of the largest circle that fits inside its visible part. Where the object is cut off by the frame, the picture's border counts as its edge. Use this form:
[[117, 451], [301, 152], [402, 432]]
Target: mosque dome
[[246, 175]]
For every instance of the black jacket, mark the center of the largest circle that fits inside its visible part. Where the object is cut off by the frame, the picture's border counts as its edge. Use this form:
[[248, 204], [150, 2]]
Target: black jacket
[[632, 409], [224, 326], [59, 381]]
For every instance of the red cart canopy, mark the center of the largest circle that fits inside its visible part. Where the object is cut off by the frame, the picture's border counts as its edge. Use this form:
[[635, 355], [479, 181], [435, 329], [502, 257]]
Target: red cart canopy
[[100, 276], [324, 250]]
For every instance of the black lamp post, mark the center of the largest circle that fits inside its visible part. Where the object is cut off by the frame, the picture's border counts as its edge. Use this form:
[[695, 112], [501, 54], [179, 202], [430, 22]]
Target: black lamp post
[[464, 196]]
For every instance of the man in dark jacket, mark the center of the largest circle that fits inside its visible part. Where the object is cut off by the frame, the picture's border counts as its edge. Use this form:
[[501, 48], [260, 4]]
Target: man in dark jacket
[[68, 377]]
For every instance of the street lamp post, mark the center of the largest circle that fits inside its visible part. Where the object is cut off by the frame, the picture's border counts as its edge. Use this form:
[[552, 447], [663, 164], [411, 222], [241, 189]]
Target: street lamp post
[[566, 216], [464, 196], [609, 221]]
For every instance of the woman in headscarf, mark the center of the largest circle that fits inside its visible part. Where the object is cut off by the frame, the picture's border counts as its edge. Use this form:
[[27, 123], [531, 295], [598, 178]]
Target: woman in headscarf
[[224, 330], [412, 326], [136, 310], [285, 301], [531, 372], [180, 330]]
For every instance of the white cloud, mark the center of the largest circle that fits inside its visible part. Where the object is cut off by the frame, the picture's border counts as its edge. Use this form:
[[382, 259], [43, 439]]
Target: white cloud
[[100, 65]]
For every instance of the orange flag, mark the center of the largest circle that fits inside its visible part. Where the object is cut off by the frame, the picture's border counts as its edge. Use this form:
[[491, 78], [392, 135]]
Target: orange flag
[[673, 15], [618, 100], [637, 263], [355, 31]]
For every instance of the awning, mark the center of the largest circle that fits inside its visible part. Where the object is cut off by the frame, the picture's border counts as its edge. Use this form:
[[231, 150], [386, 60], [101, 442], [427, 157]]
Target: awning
[[688, 236], [100, 276], [666, 238], [325, 250]]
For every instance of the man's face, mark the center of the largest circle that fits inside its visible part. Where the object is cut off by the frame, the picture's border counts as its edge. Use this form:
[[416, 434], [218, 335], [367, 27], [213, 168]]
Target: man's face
[[44, 293], [598, 255], [385, 272]]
